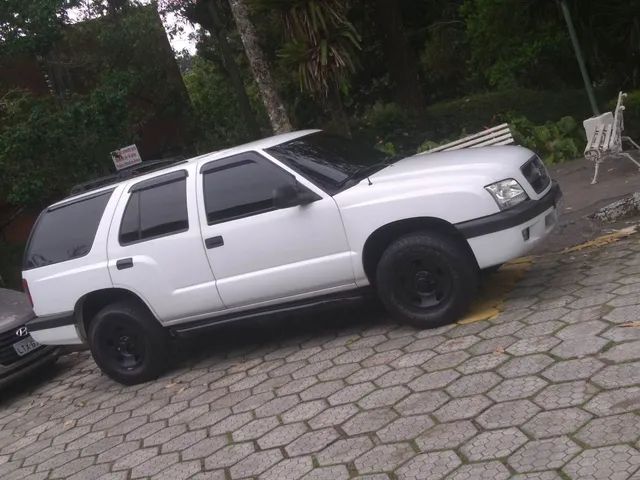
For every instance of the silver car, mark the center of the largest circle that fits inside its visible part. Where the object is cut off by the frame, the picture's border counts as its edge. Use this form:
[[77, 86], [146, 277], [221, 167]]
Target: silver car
[[19, 353]]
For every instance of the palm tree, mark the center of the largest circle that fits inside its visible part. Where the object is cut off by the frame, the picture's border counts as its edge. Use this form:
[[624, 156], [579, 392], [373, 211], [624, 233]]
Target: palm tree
[[273, 104], [320, 46]]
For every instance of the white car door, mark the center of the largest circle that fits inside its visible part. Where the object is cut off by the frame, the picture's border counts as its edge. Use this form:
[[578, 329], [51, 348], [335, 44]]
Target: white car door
[[260, 253], [155, 247]]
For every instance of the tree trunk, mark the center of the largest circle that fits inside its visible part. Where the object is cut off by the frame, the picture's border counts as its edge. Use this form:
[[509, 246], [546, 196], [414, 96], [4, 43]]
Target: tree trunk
[[399, 55], [339, 117], [230, 65], [272, 101]]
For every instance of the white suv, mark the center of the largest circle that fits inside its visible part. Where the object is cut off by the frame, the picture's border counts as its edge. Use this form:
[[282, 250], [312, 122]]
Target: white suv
[[281, 224]]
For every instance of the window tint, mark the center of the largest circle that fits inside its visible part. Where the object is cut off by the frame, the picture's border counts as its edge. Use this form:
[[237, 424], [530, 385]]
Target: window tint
[[154, 212], [241, 186], [65, 232]]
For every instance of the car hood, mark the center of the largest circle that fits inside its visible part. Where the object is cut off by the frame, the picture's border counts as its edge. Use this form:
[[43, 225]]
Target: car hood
[[470, 160], [14, 309]]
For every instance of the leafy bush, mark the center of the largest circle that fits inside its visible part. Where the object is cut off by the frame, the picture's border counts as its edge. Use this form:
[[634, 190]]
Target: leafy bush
[[385, 118], [555, 142], [480, 111]]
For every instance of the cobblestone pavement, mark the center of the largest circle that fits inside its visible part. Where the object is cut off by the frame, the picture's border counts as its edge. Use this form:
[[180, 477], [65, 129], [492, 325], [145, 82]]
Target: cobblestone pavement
[[550, 389]]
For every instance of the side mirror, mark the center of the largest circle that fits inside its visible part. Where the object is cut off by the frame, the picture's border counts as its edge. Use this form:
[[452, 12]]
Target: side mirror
[[292, 195], [285, 196]]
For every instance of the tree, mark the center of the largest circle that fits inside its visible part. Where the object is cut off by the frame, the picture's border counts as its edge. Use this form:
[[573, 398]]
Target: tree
[[260, 67], [31, 26], [399, 55], [320, 45]]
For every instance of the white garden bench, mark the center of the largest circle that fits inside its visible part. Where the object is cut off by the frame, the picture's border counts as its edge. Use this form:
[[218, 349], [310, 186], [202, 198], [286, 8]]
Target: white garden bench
[[499, 135], [604, 137]]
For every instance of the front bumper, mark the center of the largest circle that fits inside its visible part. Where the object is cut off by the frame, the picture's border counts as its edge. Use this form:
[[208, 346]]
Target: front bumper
[[506, 235], [29, 363]]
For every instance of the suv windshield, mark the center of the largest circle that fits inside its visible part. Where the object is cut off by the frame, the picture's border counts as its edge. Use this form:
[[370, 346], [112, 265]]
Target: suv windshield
[[330, 161]]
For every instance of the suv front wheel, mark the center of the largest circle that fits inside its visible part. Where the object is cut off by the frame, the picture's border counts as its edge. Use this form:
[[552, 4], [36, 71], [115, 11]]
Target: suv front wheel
[[127, 343], [427, 279]]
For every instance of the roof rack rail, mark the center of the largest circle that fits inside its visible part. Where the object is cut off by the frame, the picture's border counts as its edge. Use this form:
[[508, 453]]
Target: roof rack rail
[[126, 173]]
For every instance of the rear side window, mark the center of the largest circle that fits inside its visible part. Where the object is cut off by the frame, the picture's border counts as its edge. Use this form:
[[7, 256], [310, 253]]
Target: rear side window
[[66, 231], [155, 211]]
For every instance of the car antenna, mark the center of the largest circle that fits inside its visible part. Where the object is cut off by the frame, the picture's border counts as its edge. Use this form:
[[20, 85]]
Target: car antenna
[[369, 180]]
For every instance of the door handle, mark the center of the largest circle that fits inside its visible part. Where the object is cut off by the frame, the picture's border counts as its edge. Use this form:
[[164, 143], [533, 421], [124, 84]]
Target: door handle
[[124, 263], [214, 242]]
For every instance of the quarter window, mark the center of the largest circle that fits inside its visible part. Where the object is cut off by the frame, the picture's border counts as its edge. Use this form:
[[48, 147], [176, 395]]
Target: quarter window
[[155, 211], [241, 186], [66, 231]]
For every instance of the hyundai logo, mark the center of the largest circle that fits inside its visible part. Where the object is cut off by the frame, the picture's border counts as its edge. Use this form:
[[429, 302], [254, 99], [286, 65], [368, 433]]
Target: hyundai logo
[[22, 332]]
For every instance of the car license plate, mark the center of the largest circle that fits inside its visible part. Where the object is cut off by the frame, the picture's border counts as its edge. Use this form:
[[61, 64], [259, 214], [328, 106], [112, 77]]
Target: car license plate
[[25, 346]]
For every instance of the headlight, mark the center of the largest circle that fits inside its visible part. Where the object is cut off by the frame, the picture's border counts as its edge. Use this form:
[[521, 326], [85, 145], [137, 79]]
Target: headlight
[[507, 193]]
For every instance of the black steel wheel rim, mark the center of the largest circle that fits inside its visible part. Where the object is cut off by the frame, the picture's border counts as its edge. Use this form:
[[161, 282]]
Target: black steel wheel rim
[[423, 282], [123, 345]]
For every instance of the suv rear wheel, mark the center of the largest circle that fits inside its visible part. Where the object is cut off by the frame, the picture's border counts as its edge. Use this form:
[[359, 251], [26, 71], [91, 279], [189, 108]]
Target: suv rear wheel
[[426, 279], [127, 343]]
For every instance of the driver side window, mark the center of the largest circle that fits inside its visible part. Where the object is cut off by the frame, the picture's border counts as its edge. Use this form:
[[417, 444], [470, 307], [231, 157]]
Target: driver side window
[[241, 186]]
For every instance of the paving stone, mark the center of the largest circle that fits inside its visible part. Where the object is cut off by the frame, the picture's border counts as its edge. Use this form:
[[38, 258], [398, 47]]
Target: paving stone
[[351, 393], [369, 421], [616, 462], [255, 464], [333, 416], [540, 329], [546, 315], [321, 390], [445, 361], [526, 365], [155, 465], [135, 458], [482, 363], [615, 401], [446, 435], [337, 472], [184, 441], [179, 471], [528, 346], [493, 444], [204, 447], [228, 456], [412, 359], [434, 380], [282, 435], [304, 411], [623, 352], [405, 428], [311, 442], [459, 343], [344, 451], [423, 402], [384, 458], [508, 414], [290, 469], [490, 345], [576, 369], [624, 314], [579, 347], [481, 471], [556, 422], [433, 465], [255, 429], [624, 428], [462, 408], [516, 388], [540, 455], [565, 394], [538, 476], [473, 384], [400, 376]]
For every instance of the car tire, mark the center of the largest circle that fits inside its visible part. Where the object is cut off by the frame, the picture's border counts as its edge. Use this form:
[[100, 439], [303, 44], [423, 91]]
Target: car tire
[[128, 343], [427, 279]]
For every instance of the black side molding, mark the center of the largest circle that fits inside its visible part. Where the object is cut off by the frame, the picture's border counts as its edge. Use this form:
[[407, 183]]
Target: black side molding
[[513, 217], [341, 298], [50, 321]]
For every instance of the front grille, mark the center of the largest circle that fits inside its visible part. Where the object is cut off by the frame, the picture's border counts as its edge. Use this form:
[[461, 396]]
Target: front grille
[[7, 353], [536, 174]]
